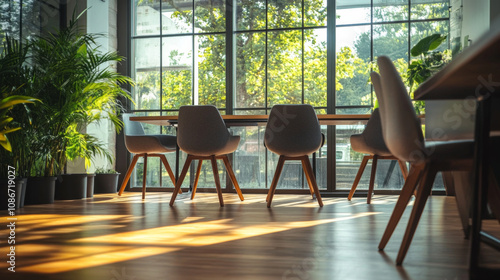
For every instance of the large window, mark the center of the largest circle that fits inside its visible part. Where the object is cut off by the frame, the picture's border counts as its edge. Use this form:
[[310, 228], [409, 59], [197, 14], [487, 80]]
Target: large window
[[23, 19], [259, 53]]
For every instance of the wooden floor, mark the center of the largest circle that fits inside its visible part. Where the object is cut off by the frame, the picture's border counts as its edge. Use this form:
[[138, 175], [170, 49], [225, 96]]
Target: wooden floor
[[124, 238]]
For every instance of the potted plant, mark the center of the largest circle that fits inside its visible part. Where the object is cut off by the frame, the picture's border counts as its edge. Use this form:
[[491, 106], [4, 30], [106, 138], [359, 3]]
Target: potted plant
[[78, 87], [14, 75], [16, 193], [427, 61], [106, 181]]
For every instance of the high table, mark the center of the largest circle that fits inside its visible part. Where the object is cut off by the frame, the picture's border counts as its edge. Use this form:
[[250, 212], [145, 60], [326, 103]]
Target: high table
[[248, 120], [473, 75], [253, 120]]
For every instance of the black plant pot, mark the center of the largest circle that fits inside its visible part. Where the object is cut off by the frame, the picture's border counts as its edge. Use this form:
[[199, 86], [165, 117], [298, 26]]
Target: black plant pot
[[18, 191], [90, 185], [106, 183], [71, 186], [40, 190]]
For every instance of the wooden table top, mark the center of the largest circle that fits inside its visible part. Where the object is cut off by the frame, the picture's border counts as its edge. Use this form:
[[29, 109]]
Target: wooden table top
[[244, 120]]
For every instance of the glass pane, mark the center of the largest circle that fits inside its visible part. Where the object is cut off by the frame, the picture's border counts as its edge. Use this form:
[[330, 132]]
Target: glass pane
[[177, 16], [152, 177], [391, 40], [206, 179], [321, 162], [353, 111], [292, 175], [9, 19], [347, 162], [210, 16], [249, 112], [353, 66], [315, 67], [147, 74], [284, 14], [147, 17], [420, 30], [250, 157], [284, 67], [250, 70], [31, 19], [392, 11], [388, 173], [177, 72], [428, 9], [250, 14], [315, 12], [211, 70], [350, 12]]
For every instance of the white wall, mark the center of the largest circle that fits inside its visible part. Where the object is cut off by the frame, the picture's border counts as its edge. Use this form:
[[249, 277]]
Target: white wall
[[476, 18], [100, 18]]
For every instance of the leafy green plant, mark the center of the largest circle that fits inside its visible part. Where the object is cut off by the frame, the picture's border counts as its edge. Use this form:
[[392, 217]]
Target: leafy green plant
[[6, 104], [427, 62], [77, 85]]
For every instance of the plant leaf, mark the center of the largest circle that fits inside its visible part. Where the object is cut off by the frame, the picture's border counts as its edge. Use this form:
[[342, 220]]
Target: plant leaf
[[6, 144], [16, 99], [427, 44]]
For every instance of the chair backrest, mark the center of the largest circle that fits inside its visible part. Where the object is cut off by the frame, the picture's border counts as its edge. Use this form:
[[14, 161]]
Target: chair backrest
[[293, 129], [201, 129], [131, 127], [400, 126], [373, 132]]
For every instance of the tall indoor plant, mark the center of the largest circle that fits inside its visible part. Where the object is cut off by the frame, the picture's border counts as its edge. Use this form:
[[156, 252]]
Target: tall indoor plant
[[76, 83], [78, 87]]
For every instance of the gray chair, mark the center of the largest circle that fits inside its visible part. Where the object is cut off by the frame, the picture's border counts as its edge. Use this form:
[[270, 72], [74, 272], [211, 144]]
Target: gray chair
[[404, 139], [293, 132], [142, 145], [203, 135], [371, 142]]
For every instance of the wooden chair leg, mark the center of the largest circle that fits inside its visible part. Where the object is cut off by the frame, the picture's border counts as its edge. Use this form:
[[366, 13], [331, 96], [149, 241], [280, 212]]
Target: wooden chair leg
[[311, 179], [404, 170], [144, 176], [423, 192], [358, 176], [181, 178], [276, 178], [311, 189], [169, 170], [232, 176], [404, 198], [197, 178], [372, 179], [217, 181], [129, 172]]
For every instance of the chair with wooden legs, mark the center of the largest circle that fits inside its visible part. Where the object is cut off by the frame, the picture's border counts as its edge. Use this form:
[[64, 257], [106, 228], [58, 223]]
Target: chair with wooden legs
[[142, 145], [203, 135], [293, 132], [404, 139], [371, 142]]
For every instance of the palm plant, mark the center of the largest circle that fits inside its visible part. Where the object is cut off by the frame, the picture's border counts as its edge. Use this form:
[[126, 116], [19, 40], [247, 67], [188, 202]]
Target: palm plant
[[6, 104], [77, 86], [14, 89]]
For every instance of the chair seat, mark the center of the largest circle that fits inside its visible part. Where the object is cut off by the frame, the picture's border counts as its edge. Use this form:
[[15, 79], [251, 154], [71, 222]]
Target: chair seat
[[140, 144], [359, 144], [215, 150], [293, 149], [453, 155]]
